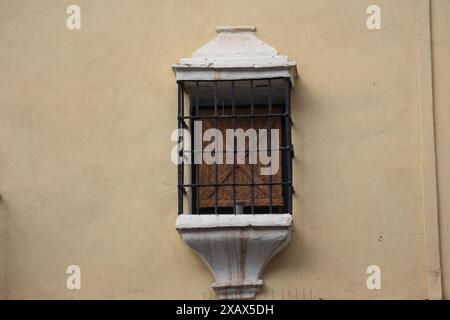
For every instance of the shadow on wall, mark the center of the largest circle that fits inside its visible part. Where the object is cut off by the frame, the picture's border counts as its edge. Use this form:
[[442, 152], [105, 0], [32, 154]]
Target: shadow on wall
[[3, 247], [7, 226]]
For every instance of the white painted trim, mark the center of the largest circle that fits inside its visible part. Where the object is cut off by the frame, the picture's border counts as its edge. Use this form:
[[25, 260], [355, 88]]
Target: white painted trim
[[236, 28], [187, 74], [195, 221], [428, 152]]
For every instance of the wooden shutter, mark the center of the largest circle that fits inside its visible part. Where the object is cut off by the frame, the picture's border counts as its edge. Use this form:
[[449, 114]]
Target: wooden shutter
[[242, 171]]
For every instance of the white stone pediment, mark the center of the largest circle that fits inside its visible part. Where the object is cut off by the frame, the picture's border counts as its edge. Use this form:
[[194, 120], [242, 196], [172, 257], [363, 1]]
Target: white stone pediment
[[236, 53]]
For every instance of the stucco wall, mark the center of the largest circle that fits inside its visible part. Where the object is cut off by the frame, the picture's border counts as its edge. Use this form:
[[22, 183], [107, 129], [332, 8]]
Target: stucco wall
[[85, 123]]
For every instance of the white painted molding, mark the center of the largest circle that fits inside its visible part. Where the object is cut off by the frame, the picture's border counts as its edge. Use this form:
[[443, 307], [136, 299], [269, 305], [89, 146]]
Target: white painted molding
[[428, 151], [235, 28], [236, 248], [192, 221], [236, 53]]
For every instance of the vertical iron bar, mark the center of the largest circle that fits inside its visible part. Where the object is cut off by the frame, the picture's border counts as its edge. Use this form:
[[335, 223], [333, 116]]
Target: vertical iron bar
[[287, 119], [191, 166], [216, 188], [270, 147], [197, 166], [233, 112], [180, 148], [252, 125]]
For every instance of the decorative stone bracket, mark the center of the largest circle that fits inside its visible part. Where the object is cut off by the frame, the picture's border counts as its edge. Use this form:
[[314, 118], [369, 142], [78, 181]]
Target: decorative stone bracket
[[236, 248]]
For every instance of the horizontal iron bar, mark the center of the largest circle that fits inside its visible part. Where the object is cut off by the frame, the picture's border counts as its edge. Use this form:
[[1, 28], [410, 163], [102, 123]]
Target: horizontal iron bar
[[238, 80], [228, 116], [237, 151], [235, 184]]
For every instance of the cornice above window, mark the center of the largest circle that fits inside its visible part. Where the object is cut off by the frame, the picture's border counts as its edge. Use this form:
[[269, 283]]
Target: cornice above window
[[236, 53]]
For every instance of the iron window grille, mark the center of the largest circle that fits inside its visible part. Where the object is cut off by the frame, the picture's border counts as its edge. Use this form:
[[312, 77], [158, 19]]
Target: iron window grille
[[226, 104]]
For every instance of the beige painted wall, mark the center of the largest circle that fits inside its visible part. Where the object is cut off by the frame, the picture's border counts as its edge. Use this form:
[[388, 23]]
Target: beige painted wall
[[85, 170]]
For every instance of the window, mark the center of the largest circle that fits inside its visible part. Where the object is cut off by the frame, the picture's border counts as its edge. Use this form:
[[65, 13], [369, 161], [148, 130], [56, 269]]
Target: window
[[234, 156], [248, 169]]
